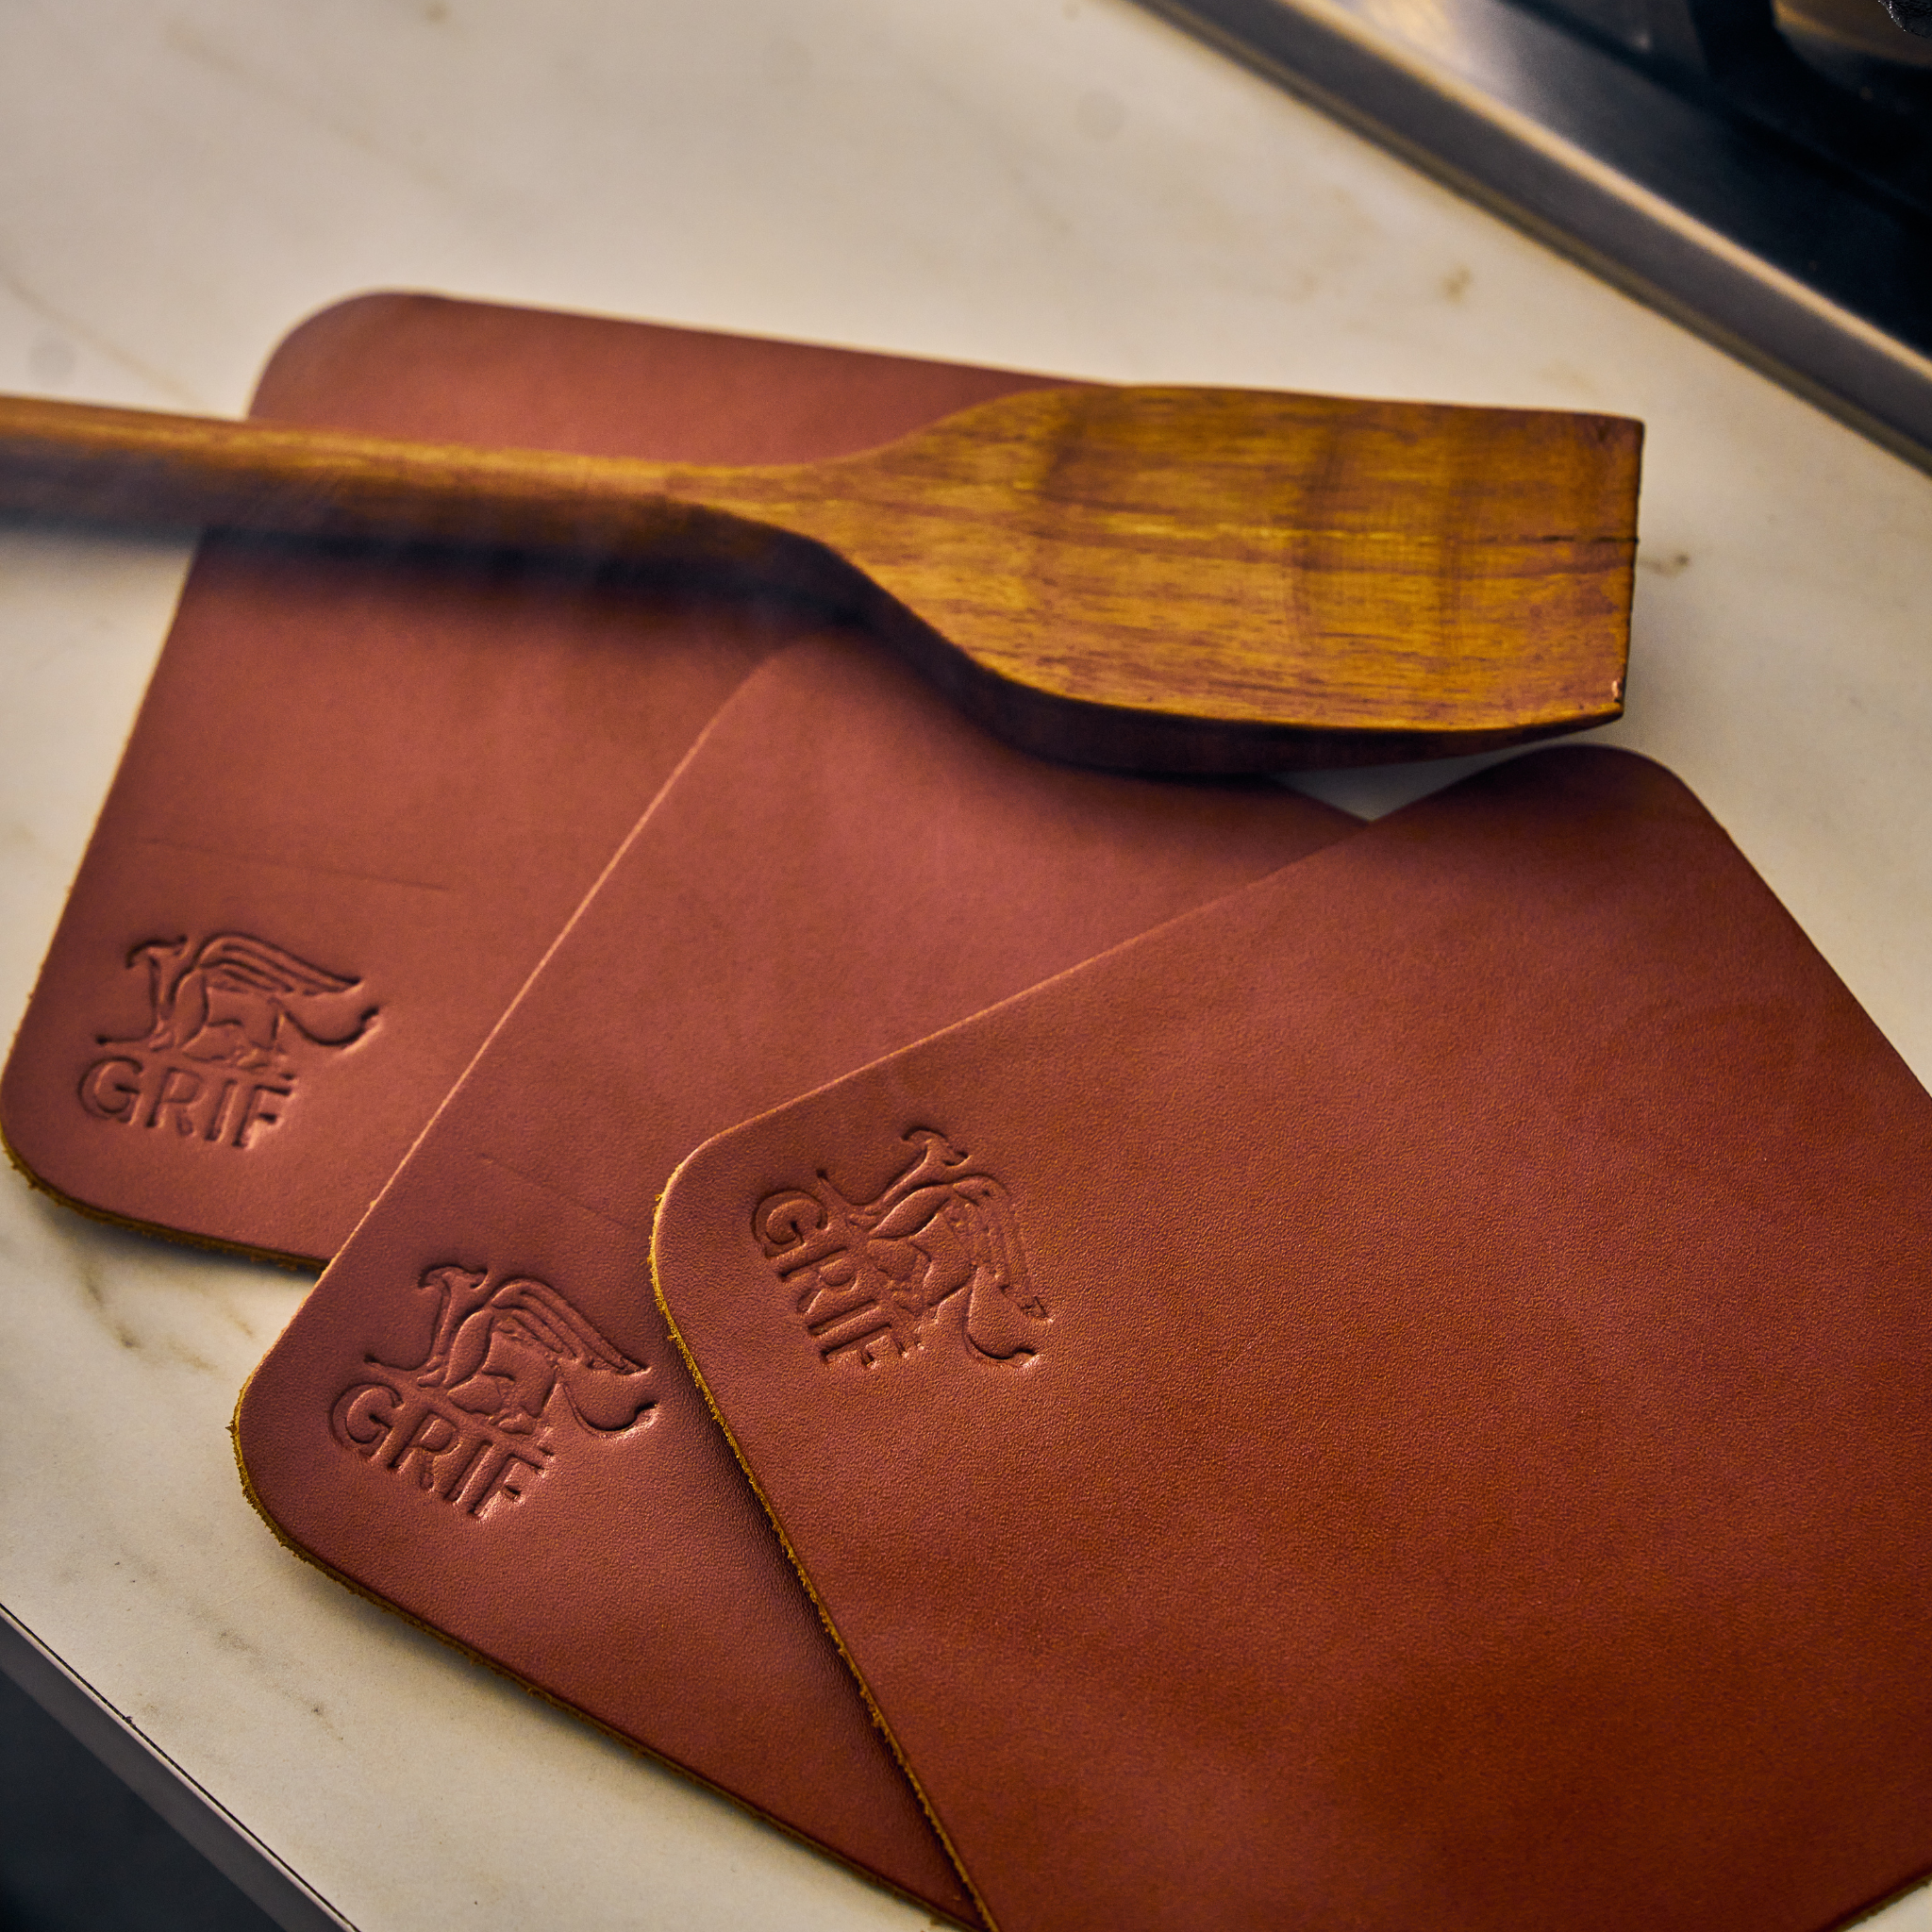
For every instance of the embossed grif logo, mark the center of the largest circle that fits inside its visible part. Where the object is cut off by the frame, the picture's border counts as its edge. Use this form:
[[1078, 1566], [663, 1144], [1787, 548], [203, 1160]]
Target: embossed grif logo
[[870, 1277], [233, 1006], [510, 1363], [239, 1002]]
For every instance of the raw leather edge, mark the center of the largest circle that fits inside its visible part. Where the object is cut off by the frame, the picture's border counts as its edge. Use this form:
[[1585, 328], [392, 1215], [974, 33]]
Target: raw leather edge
[[181, 1237], [571, 1710], [872, 1705]]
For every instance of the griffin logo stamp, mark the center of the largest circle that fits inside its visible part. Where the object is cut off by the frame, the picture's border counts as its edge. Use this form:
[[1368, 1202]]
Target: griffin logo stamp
[[512, 1366], [870, 1279], [229, 1021]]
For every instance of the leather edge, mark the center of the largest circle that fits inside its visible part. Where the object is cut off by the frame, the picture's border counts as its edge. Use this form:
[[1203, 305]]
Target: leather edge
[[571, 1710], [187, 1238], [851, 1663]]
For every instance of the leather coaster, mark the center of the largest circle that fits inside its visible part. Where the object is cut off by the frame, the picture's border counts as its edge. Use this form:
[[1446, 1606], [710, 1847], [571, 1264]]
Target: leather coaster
[[478, 1416], [365, 791], [1396, 1401]]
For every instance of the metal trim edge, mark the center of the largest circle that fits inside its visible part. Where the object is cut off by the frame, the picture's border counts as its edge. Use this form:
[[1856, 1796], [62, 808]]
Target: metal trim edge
[[139, 1763]]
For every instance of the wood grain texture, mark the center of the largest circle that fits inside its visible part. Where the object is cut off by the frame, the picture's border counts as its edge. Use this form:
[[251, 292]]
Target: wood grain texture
[[1181, 579]]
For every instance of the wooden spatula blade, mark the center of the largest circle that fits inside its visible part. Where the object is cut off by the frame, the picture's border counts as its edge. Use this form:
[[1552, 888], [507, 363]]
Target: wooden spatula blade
[[1282, 579]]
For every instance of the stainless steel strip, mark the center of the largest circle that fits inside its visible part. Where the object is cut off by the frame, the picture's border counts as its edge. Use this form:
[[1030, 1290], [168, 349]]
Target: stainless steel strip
[[214, 1831]]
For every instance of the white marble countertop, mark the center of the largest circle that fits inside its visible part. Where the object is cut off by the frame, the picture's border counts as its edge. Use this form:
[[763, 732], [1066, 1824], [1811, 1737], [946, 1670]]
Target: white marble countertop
[[1067, 185]]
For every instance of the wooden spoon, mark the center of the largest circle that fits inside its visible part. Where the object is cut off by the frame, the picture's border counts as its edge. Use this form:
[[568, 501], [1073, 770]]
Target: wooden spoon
[[1160, 580]]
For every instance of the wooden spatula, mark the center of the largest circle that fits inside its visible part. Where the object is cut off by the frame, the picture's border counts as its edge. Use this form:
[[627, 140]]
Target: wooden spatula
[[1160, 580]]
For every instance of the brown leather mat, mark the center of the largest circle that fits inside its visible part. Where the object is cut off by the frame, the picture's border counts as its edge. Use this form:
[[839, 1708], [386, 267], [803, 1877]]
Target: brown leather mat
[[478, 1416], [364, 791], [1397, 1401]]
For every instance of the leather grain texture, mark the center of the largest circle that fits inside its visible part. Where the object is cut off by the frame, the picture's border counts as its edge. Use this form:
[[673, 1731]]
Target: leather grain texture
[[365, 790], [477, 1415], [1396, 1401]]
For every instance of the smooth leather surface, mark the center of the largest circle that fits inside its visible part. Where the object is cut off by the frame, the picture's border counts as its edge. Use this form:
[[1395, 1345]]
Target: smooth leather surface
[[1414, 1411], [365, 791], [842, 865]]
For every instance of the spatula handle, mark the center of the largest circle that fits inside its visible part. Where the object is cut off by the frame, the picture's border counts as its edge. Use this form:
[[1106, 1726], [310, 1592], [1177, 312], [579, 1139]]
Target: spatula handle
[[140, 466]]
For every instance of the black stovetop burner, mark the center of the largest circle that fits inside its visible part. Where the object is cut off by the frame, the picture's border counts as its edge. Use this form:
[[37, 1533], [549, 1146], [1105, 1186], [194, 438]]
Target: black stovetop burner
[[1759, 169]]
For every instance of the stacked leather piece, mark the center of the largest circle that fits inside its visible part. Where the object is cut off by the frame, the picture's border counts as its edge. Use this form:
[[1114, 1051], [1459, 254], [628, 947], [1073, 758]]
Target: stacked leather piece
[[1398, 1400], [365, 790], [1319, 1376], [477, 1415]]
